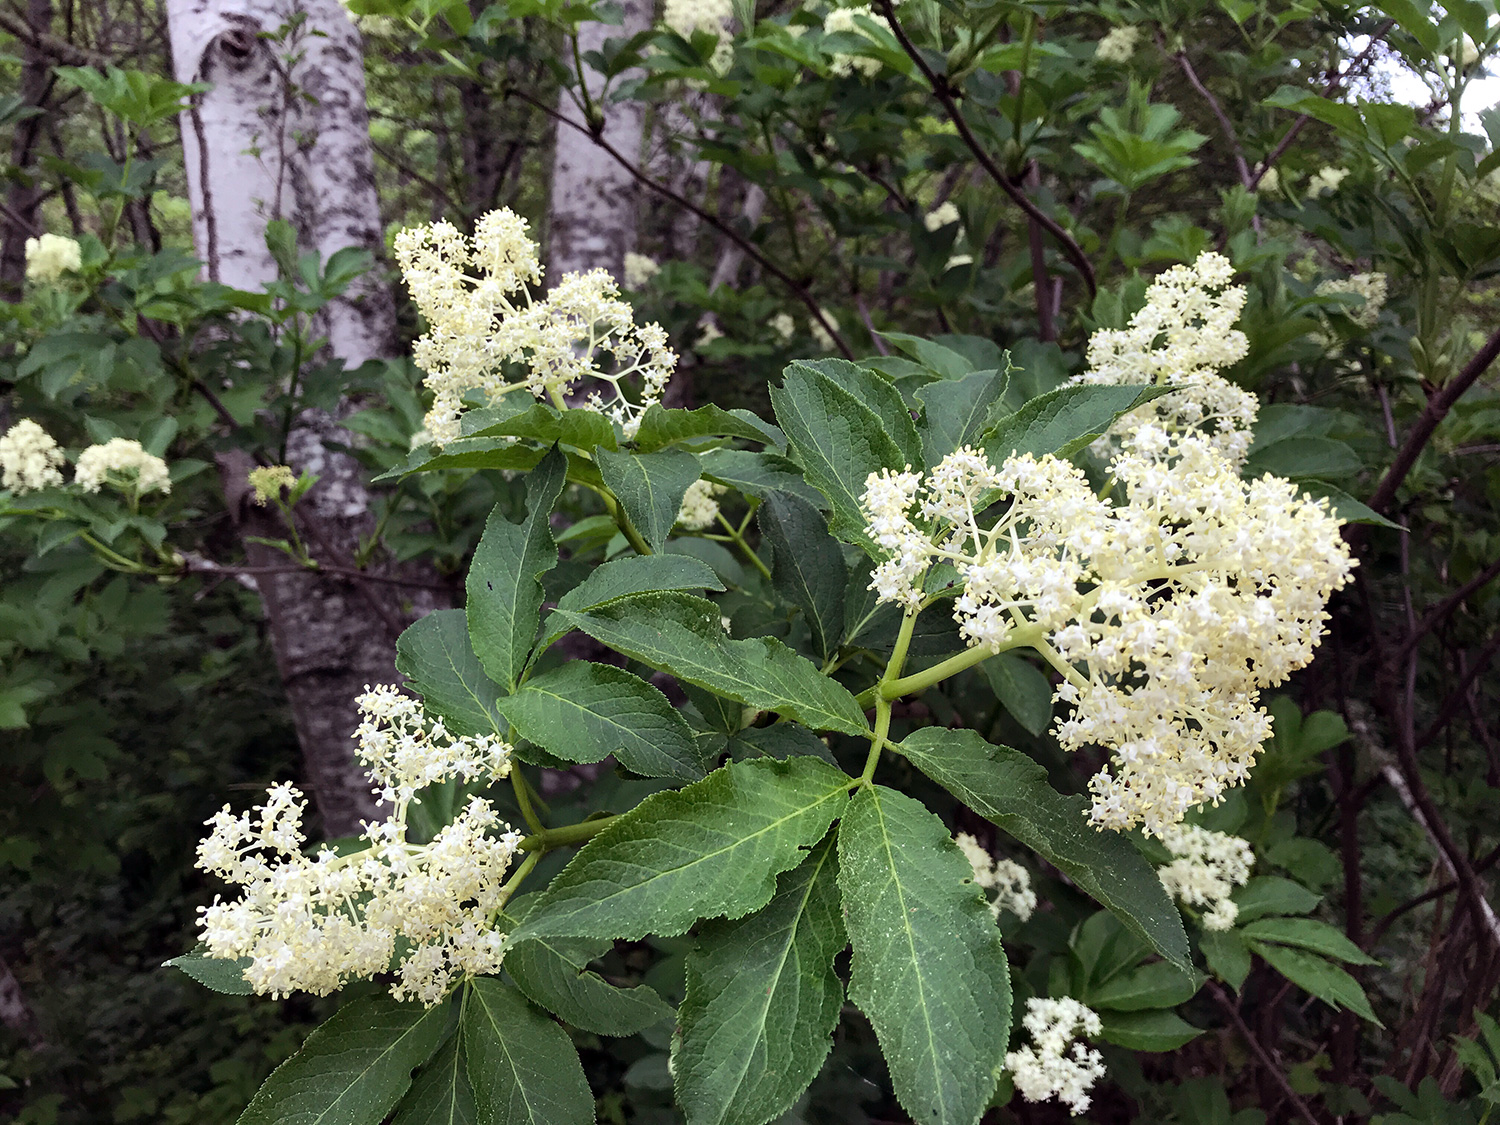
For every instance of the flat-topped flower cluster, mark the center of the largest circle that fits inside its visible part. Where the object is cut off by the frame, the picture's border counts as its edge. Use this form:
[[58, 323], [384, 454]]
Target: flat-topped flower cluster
[[486, 331], [1167, 603], [1206, 869], [1045, 1067], [313, 923], [31, 460]]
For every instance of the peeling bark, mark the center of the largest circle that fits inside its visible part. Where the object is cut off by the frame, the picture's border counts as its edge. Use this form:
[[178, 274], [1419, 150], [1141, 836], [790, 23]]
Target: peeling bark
[[594, 200], [264, 144]]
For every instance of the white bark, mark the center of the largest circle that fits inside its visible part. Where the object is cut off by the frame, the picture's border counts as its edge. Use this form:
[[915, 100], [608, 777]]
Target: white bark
[[594, 200], [268, 142]]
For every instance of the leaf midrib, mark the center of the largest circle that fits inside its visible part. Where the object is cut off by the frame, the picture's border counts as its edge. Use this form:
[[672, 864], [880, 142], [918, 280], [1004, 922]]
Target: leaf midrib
[[509, 1059], [374, 1063]]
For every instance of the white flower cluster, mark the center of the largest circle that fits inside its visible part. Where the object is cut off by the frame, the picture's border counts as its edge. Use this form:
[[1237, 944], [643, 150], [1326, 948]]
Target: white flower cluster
[[29, 458], [123, 464], [1008, 879], [1326, 181], [1182, 337], [1369, 287], [482, 322], [1270, 182], [1049, 1069], [267, 481], [1207, 867], [699, 509], [1118, 45], [784, 326], [51, 256], [712, 16], [312, 923], [639, 270], [843, 20], [941, 215]]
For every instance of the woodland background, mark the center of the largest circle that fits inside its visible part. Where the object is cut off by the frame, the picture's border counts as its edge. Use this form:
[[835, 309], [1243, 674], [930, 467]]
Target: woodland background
[[785, 198]]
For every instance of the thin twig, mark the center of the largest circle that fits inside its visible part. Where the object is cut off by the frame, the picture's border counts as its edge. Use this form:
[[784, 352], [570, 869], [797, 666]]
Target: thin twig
[[1261, 1053], [1240, 163], [1433, 616]]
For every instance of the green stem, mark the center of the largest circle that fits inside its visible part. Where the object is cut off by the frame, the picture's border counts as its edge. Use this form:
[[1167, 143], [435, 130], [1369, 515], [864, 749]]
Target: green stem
[[510, 885], [523, 799], [877, 740], [569, 834], [748, 551], [622, 521], [1031, 636], [129, 566]]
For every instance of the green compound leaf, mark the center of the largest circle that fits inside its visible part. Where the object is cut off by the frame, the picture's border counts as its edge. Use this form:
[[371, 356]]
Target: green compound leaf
[[880, 395], [522, 1066], [954, 411], [441, 1094], [713, 848], [214, 973], [584, 712], [928, 967], [1008, 788], [1271, 894], [504, 584], [762, 1002], [1065, 420], [650, 487], [435, 654], [1308, 933], [661, 427], [1321, 978], [839, 440], [758, 474], [554, 974], [354, 1068], [582, 429], [683, 635], [807, 565]]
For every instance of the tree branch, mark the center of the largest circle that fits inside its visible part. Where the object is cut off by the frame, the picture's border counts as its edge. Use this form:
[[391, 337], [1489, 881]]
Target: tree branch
[[1261, 1053], [1240, 163]]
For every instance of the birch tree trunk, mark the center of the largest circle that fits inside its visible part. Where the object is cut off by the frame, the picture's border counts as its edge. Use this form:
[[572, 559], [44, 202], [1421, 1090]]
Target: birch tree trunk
[[283, 133], [593, 210]]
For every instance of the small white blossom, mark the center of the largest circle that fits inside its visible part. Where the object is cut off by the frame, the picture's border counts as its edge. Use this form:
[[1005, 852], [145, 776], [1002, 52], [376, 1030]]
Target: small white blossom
[[941, 216], [784, 326], [1008, 879], [1047, 1069], [844, 20], [51, 256], [1326, 181], [820, 334], [267, 481], [639, 270], [713, 16], [123, 464], [29, 458], [699, 509], [1207, 868], [1369, 287], [1118, 45]]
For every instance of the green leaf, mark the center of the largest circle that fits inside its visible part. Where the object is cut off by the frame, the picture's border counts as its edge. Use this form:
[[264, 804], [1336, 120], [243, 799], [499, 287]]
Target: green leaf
[[683, 635], [523, 1067], [807, 565], [1321, 978], [1227, 956], [553, 973], [214, 973], [466, 453], [1008, 788], [713, 848], [1308, 933], [434, 653], [1271, 894], [954, 411], [441, 1094], [661, 427], [780, 741], [1160, 984], [650, 487], [354, 1068], [928, 967], [633, 574], [1157, 1031], [758, 474], [879, 394], [940, 360], [1304, 457], [584, 712], [1065, 420], [582, 429], [838, 440], [762, 1001], [1346, 507], [504, 584], [1023, 689]]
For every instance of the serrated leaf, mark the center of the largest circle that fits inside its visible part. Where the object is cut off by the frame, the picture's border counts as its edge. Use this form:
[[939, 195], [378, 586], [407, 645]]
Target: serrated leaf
[[928, 968], [1160, 984], [713, 848], [879, 394], [650, 487], [467, 453], [1346, 507], [941, 360], [215, 973], [1065, 420], [582, 429], [762, 1002], [434, 653], [1319, 977], [954, 411], [807, 565], [839, 442], [661, 427], [1297, 457], [1271, 894], [584, 712], [758, 474], [504, 584], [354, 1068], [522, 1066], [633, 574], [1008, 788], [1157, 1031], [554, 974], [1227, 956], [441, 1094], [780, 741], [1308, 933], [683, 635], [1022, 688]]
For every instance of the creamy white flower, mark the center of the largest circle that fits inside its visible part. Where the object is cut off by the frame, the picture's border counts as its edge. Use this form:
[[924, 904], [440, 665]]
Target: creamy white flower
[[1008, 879], [639, 270], [708, 332], [313, 923], [122, 464], [1207, 868], [820, 334], [699, 509], [941, 216], [1270, 182], [267, 481], [1326, 181], [1047, 1069], [51, 256], [1369, 287], [29, 458], [784, 326], [1118, 45], [475, 294], [713, 16], [844, 20]]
